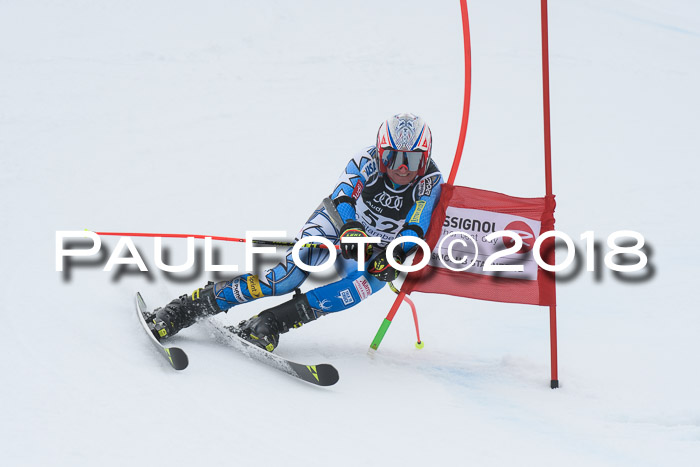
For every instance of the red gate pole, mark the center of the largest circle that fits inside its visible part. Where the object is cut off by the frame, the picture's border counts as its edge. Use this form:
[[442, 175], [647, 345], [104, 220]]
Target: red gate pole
[[554, 383], [458, 153]]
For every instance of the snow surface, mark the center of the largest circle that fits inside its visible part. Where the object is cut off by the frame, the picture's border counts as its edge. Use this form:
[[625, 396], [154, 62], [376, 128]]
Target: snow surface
[[217, 117]]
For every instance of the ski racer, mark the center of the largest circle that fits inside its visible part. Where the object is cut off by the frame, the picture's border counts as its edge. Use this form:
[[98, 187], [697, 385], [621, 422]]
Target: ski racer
[[387, 190]]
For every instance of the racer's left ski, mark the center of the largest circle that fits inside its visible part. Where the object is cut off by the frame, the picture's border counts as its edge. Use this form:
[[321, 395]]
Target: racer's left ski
[[323, 374], [176, 356]]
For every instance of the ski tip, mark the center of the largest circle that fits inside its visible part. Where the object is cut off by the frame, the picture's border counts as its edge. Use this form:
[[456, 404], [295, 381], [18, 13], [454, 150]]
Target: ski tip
[[330, 375], [321, 375]]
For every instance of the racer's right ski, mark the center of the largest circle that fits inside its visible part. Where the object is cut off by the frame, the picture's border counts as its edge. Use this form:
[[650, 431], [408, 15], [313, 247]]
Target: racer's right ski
[[322, 374]]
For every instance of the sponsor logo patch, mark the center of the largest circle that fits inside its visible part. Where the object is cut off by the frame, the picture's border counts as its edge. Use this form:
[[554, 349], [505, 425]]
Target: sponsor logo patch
[[363, 288], [419, 209], [526, 234], [425, 186], [254, 286], [237, 292], [358, 189], [346, 297], [388, 201], [369, 169]]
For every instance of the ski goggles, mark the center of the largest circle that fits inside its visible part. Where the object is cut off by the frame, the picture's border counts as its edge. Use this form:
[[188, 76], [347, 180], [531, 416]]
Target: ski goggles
[[393, 159]]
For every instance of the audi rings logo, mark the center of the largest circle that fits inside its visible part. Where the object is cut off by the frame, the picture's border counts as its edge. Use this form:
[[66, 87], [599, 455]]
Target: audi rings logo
[[525, 232], [388, 201]]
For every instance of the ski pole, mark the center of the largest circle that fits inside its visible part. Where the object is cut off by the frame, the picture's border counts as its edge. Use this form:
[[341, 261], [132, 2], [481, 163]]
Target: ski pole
[[226, 239], [419, 342], [388, 320]]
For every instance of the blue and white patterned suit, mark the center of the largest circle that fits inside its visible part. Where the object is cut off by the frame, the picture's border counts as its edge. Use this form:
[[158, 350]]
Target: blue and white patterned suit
[[385, 209]]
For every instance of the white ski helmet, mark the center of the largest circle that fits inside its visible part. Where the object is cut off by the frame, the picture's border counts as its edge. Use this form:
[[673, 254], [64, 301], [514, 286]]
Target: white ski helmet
[[404, 139]]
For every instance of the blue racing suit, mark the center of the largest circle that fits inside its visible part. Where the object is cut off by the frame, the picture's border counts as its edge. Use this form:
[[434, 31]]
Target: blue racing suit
[[386, 210]]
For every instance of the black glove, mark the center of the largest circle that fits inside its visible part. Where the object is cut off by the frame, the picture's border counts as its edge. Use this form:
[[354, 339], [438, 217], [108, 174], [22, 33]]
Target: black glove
[[353, 228], [382, 270]]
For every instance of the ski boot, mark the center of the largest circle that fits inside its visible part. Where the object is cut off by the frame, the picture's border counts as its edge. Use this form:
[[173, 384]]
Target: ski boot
[[182, 312], [264, 330]]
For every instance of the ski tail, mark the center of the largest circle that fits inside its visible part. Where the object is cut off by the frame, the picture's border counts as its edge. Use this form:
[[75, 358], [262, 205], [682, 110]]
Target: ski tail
[[321, 375]]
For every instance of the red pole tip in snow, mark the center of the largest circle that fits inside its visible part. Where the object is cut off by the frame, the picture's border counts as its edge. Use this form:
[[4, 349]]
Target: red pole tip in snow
[[419, 343], [553, 346]]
